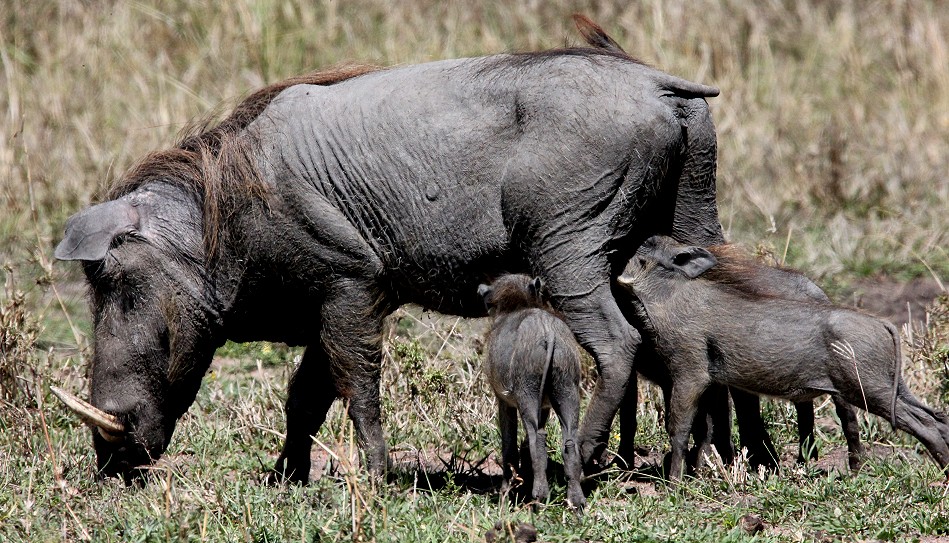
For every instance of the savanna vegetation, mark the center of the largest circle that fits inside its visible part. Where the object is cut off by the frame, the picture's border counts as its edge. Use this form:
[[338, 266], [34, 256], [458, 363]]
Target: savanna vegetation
[[833, 128]]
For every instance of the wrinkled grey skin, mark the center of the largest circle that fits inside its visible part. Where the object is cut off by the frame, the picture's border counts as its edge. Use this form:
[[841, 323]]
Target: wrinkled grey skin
[[407, 185], [710, 332], [533, 364]]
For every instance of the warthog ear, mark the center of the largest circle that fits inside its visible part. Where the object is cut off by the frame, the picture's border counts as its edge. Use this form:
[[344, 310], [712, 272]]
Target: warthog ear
[[693, 261], [90, 232], [535, 287], [485, 291]]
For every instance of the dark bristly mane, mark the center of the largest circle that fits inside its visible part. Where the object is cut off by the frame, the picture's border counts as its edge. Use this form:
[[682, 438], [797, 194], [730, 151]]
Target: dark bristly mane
[[212, 163], [532, 58], [512, 293], [737, 269]]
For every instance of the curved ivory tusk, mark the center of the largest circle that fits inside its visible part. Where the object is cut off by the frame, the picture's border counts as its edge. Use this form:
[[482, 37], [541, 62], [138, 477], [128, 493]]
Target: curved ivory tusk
[[625, 280], [109, 436], [107, 424]]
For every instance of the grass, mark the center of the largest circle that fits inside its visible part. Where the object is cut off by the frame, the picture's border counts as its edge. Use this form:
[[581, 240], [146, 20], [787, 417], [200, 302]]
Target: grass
[[209, 486], [833, 126]]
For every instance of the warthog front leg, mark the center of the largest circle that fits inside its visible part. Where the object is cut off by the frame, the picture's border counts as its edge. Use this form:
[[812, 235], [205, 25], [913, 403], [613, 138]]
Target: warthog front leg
[[309, 397], [686, 393], [751, 431], [711, 426], [807, 449]]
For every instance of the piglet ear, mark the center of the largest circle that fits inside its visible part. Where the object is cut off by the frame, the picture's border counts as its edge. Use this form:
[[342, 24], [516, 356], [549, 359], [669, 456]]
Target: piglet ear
[[485, 292], [90, 232], [536, 287], [693, 261]]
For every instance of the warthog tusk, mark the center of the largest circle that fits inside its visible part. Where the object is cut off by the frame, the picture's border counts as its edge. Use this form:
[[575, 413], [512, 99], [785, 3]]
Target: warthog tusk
[[108, 425], [109, 436]]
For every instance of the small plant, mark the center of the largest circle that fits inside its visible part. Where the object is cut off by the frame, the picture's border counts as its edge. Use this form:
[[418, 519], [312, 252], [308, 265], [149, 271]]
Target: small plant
[[269, 354], [18, 332], [930, 345], [425, 380]]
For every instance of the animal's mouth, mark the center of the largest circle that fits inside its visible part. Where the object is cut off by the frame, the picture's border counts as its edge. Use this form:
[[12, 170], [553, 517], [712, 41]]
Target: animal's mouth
[[119, 452], [128, 459]]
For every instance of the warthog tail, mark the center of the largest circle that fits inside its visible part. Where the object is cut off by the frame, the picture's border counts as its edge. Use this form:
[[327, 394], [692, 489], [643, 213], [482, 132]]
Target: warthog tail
[[897, 369], [595, 35], [547, 367]]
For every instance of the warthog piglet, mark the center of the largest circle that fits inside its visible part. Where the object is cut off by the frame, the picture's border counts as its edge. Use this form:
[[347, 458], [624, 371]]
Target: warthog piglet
[[736, 267], [533, 364], [711, 328]]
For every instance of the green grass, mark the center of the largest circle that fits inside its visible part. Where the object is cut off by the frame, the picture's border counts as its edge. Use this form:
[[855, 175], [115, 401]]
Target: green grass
[[833, 125]]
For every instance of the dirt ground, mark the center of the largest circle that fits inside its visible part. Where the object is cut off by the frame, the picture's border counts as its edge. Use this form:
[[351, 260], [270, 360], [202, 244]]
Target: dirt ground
[[894, 300]]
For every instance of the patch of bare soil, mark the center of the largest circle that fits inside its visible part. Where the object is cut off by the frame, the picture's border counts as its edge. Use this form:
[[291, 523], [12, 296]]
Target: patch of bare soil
[[835, 460], [894, 300], [427, 468]]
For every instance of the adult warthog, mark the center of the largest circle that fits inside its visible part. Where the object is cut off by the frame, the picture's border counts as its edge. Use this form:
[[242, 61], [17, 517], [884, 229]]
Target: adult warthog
[[324, 202]]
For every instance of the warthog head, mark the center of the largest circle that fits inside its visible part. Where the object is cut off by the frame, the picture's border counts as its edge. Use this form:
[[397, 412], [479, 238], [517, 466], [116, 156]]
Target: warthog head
[[512, 292], [153, 314], [660, 263]]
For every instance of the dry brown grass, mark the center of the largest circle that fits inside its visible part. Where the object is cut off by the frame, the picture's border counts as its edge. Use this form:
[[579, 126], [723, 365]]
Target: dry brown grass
[[18, 331], [927, 347]]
